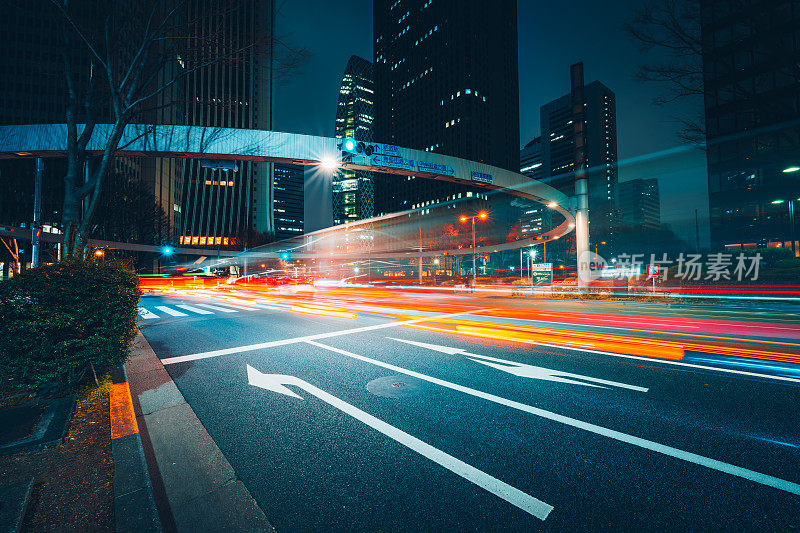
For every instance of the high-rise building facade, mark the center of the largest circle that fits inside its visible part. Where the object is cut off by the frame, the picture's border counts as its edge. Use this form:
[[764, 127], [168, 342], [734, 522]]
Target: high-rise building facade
[[640, 203], [33, 90], [579, 131], [446, 81], [353, 191], [530, 159], [289, 200], [535, 219], [751, 72], [223, 208]]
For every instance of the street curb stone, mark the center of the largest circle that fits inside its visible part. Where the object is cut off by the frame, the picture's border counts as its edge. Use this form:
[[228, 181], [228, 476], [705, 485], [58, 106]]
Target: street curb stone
[[14, 501], [134, 503], [201, 488]]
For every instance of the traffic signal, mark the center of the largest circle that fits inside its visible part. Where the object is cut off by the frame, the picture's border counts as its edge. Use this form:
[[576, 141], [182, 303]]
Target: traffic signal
[[167, 250], [351, 146], [485, 258], [285, 256]]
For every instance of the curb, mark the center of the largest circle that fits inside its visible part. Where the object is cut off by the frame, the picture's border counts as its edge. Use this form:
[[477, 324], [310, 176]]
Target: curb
[[14, 500], [134, 503], [196, 487]]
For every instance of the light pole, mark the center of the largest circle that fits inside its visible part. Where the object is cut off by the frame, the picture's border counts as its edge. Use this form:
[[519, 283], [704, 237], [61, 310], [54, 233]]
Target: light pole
[[483, 215], [791, 219]]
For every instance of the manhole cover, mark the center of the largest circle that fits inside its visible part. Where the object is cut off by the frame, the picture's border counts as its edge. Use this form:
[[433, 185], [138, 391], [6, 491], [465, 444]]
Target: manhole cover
[[396, 386]]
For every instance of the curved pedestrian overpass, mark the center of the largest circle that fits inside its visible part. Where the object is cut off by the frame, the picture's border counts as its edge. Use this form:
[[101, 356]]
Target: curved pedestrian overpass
[[197, 142]]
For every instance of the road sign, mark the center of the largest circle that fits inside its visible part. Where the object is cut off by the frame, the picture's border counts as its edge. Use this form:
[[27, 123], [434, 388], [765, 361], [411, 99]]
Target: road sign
[[277, 383], [542, 274]]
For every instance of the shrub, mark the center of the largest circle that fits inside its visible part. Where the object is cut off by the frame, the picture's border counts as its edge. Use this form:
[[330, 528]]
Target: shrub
[[57, 320]]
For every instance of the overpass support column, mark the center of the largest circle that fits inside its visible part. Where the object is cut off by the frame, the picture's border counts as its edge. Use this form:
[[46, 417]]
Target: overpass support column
[[582, 232], [36, 227]]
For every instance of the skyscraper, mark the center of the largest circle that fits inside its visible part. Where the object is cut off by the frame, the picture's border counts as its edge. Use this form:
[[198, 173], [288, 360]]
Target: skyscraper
[[289, 215], [446, 81], [530, 159], [353, 192], [579, 130], [640, 203], [534, 218], [751, 54], [225, 208]]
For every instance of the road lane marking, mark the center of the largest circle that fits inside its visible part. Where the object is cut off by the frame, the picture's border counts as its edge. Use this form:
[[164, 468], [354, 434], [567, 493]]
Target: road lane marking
[[523, 370], [194, 309], [671, 362], [147, 315], [170, 311], [690, 457], [217, 308], [295, 340], [526, 502], [588, 348]]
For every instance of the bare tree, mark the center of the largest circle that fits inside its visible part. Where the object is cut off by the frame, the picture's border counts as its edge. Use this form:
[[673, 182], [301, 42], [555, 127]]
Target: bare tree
[[120, 59], [14, 265], [128, 212], [672, 28]]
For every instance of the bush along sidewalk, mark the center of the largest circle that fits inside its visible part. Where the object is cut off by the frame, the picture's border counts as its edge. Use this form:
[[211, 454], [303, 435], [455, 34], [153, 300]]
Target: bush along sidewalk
[[60, 322]]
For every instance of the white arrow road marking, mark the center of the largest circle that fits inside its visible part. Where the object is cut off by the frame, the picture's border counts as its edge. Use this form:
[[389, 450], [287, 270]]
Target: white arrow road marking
[[523, 370], [713, 464], [170, 311], [144, 313], [514, 496]]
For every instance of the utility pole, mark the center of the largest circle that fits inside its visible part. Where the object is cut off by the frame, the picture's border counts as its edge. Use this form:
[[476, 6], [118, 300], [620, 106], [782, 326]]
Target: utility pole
[[36, 227], [420, 256], [697, 230], [791, 226]]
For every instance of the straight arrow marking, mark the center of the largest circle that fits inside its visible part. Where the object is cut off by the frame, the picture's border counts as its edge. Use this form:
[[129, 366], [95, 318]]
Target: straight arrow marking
[[677, 453], [523, 370], [277, 383]]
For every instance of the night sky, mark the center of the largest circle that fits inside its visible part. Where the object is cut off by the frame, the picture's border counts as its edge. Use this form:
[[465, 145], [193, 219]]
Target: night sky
[[552, 36]]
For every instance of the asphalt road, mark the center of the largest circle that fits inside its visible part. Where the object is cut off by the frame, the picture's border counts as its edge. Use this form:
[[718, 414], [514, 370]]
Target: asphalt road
[[374, 424]]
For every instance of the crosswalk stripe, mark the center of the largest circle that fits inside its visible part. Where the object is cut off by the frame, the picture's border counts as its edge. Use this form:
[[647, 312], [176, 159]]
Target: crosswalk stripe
[[195, 309], [216, 308], [147, 315], [248, 306], [170, 311]]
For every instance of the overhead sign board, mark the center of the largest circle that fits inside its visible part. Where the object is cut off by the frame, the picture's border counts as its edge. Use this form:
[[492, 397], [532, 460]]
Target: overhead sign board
[[391, 161], [436, 168], [483, 177]]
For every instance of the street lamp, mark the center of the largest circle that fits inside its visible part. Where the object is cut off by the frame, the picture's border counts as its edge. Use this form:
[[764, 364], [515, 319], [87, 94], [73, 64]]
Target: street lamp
[[483, 215], [99, 253], [329, 163]]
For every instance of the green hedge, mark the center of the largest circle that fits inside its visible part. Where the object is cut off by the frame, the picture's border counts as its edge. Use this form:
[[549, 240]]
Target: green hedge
[[58, 319]]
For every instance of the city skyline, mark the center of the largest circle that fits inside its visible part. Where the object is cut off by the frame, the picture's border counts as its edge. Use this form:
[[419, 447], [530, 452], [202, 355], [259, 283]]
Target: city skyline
[[643, 129]]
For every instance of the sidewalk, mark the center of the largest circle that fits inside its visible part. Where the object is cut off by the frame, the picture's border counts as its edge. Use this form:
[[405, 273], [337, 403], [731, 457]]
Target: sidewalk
[[195, 487]]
